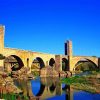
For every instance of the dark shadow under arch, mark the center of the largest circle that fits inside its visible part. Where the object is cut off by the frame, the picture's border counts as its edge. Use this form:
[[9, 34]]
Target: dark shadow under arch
[[15, 61], [65, 65], [40, 63], [51, 62]]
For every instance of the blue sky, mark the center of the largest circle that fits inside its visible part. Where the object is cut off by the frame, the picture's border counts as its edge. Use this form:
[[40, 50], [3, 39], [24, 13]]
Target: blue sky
[[44, 25]]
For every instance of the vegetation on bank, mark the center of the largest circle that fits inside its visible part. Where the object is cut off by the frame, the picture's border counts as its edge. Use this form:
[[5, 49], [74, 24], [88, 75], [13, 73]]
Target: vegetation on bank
[[90, 83], [12, 96]]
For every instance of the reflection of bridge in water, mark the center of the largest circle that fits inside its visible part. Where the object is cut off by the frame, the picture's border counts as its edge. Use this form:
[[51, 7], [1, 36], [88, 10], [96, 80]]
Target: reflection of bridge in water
[[41, 89]]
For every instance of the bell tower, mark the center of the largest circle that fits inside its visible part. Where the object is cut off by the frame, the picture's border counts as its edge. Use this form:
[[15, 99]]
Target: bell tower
[[2, 30]]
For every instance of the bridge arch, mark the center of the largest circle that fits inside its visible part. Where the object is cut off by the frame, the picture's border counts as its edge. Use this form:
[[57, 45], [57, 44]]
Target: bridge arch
[[13, 63], [52, 62], [85, 64], [38, 63], [65, 66]]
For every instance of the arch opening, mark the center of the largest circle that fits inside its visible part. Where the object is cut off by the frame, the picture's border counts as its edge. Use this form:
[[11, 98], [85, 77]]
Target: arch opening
[[65, 66], [13, 63], [52, 62], [38, 63], [85, 65]]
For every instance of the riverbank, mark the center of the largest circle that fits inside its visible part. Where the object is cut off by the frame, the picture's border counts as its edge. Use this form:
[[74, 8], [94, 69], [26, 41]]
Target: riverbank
[[7, 87], [90, 83]]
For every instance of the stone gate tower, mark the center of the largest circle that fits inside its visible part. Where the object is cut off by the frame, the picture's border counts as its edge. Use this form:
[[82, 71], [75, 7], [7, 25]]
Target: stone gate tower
[[1, 39], [69, 53], [1, 42], [68, 48]]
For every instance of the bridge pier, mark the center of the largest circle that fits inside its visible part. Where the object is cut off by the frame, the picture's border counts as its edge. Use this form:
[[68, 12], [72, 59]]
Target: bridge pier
[[1, 63], [58, 63], [99, 63], [69, 53], [2, 29]]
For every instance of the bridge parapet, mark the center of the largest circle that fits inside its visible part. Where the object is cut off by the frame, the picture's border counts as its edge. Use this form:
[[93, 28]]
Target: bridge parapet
[[27, 51]]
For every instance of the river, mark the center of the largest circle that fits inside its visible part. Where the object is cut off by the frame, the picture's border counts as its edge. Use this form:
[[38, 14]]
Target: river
[[52, 89]]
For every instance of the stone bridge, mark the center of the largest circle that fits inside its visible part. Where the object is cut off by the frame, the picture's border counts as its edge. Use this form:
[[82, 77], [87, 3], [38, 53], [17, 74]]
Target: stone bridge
[[22, 58], [26, 58]]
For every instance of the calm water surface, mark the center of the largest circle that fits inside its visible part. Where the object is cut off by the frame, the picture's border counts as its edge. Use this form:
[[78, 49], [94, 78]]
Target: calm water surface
[[52, 89]]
